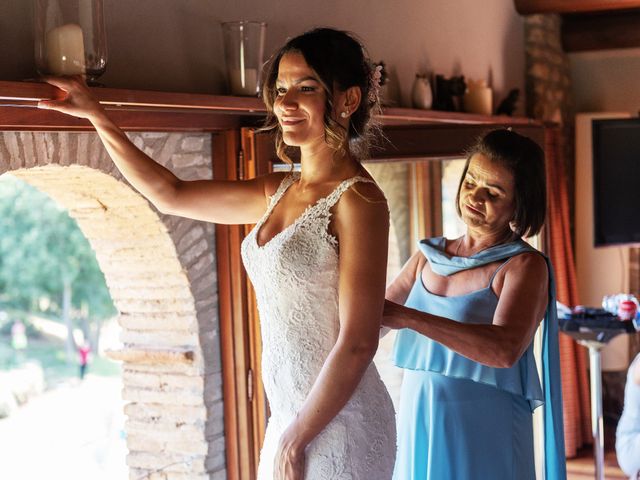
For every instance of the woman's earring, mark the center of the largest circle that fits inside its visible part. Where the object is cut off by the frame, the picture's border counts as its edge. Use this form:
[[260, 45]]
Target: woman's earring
[[344, 114]]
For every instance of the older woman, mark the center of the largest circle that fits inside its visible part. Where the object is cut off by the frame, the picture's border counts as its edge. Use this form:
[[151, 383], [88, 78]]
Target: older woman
[[471, 308]]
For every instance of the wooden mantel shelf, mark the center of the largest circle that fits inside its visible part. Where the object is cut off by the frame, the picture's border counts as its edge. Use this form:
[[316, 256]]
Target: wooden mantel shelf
[[528, 7], [138, 110]]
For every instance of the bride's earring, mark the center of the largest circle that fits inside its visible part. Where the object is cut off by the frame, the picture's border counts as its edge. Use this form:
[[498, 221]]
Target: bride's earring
[[345, 114]]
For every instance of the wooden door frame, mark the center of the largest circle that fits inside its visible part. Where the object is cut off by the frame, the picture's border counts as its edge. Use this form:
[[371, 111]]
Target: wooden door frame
[[245, 411], [233, 305]]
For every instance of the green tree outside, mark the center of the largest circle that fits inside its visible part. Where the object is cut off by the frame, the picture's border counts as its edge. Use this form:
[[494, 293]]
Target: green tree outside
[[47, 266]]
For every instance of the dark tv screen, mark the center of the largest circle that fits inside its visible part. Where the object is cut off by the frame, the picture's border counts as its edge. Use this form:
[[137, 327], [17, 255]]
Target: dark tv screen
[[616, 181]]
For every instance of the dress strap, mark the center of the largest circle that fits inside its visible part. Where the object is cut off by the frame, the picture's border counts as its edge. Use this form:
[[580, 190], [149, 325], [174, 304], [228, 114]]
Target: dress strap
[[345, 185], [284, 185], [500, 267]]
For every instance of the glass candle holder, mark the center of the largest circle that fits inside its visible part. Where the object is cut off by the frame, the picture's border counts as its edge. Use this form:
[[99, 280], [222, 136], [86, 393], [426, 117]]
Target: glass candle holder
[[244, 53], [70, 38]]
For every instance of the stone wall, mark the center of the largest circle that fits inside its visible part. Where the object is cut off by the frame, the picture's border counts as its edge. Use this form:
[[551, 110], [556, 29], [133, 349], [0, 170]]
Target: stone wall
[[548, 84], [161, 273]]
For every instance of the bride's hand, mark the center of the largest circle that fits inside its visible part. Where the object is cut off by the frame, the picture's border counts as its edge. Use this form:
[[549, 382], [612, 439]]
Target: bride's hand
[[290, 457], [73, 97]]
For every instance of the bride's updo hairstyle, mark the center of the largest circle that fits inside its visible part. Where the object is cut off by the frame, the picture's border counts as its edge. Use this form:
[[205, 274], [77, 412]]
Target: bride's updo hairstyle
[[339, 61]]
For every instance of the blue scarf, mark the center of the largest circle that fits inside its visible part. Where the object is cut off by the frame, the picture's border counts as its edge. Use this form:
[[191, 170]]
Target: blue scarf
[[443, 264]]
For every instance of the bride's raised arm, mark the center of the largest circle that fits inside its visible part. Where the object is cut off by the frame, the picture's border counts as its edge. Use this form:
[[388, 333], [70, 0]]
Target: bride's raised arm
[[219, 201]]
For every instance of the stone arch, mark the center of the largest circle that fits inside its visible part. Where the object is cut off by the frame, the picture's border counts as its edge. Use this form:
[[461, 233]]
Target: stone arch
[[161, 273]]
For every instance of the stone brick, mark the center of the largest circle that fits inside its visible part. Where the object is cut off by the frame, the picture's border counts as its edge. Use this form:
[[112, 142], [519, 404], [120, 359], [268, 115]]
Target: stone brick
[[167, 462], [216, 458], [214, 381], [188, 369], [166, 431], [202, 265], [190, 237], [133, 394], [153, 292], [212, 389], [145, 443], [535, 35], [169, 381], [211, 359], [192, 144], [186, 447], [195, 250], [177, 226], [182, 382], [136, 139], [167, 149], [142, 474], [151, 412], [148, 306], [153, 322], [159, 339], [204, 173], [215, 423], [206, 303], [184, 160], [219, 475]]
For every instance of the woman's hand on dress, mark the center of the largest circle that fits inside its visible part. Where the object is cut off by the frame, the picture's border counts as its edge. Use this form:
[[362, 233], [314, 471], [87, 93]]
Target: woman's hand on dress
[[73, 97], [395, 316], [290, 457]]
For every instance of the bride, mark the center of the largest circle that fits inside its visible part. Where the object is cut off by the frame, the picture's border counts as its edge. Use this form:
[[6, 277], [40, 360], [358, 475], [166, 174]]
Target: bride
[[316, 257]]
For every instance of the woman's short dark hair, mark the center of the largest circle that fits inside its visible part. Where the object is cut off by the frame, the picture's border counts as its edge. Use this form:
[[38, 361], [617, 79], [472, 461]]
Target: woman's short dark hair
[[340, 61], [524, 158]]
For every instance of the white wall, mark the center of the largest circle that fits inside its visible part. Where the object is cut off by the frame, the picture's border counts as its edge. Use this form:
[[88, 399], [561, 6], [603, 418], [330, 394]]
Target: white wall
[[606, 80], [176, 45]]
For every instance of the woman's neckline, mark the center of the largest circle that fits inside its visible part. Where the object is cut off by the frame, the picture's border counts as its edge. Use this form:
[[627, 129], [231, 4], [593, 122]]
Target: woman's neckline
[[295, 176]]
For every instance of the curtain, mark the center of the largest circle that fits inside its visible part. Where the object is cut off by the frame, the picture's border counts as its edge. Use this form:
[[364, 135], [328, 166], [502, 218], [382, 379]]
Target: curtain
[[573, 357]]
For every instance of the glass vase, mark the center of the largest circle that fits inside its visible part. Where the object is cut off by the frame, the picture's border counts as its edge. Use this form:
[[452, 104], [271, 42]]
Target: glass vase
[[244, 52], [70, 38]]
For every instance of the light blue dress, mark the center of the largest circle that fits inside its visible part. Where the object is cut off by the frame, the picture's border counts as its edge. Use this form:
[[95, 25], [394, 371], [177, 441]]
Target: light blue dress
[[628, 431], [459, 419]]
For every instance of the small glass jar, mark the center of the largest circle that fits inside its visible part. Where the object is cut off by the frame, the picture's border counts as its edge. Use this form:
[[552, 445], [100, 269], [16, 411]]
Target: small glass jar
[[244, 44], [70, 38]]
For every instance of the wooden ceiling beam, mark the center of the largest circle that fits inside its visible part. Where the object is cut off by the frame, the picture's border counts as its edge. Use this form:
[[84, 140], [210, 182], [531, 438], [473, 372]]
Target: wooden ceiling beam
[[528, 7], [601, 31]]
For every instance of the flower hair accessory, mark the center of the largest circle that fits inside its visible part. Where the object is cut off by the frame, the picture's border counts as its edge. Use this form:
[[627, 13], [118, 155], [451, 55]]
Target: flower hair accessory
[[375, 80]]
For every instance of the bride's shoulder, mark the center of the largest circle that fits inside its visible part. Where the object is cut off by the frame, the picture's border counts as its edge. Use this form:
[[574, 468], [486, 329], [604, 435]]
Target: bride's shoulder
[[363, 194], [363, 208], [273, 181]]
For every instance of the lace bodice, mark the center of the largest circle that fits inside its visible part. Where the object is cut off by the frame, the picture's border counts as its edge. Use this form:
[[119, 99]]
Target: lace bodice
[[295, 276]]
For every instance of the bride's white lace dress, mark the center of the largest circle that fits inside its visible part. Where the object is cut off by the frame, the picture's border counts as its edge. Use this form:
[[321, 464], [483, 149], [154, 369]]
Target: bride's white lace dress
[[295, 276]]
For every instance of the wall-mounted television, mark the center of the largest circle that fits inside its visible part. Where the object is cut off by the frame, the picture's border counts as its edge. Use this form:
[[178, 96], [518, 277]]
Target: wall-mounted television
[[616, 181]]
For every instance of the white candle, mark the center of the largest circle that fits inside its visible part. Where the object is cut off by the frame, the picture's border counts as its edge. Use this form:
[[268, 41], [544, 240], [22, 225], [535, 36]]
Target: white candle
[[244, 81], [65, 50], [478, 98]]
